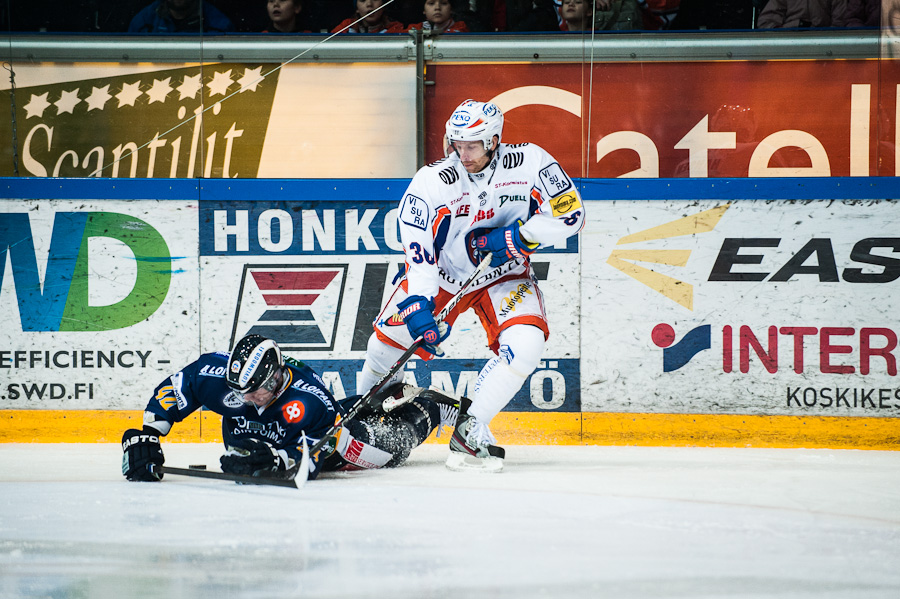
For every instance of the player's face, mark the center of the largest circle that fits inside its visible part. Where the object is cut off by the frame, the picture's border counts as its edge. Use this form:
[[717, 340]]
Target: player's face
[[265, 394], [473, 155]]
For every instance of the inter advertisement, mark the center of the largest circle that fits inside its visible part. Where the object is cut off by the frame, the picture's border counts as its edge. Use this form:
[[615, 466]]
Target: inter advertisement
[[748, 307], [314, 274], [99, 301]]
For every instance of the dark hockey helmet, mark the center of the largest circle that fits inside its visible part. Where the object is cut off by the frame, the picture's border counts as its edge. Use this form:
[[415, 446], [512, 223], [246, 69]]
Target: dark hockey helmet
[[253, 364]]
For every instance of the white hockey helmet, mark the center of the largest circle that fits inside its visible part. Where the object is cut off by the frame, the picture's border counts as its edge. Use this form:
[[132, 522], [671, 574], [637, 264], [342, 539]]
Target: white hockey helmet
[[475, 121]]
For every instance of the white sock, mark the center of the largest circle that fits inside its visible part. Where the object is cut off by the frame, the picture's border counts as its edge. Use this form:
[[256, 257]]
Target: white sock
[[501, 378], [379, 359]]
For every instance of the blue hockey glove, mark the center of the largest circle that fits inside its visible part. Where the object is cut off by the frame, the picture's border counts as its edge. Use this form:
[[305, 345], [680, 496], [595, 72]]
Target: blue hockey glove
[[417, 314], [254, 458], [506, 244], [141, 452]]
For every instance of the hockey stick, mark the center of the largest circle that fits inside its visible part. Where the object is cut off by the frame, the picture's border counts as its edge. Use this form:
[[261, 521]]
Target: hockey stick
[[238, 478], [291, 482], [364, 400]]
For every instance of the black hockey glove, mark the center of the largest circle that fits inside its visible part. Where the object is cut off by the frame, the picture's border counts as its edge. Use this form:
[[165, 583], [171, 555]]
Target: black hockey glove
[[254, 458], [141, 452]]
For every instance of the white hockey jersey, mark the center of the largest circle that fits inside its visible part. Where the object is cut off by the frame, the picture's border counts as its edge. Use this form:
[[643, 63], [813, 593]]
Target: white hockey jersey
[[445, 207]]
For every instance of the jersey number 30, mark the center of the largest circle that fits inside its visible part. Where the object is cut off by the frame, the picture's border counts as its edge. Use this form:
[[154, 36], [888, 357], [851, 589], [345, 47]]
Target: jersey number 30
[[419, 254]]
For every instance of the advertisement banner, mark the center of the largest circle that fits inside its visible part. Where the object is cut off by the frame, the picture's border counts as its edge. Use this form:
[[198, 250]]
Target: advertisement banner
[[743, 307], [314, 275], [687, 119], [211, 121], [99, 301]]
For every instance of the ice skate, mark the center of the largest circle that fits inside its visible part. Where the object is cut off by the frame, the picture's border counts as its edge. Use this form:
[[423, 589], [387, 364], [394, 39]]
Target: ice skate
[[472, 445], [448, 406]]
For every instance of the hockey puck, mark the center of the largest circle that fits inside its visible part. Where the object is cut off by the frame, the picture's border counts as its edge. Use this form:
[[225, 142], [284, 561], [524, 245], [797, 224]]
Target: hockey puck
[[197, 467]]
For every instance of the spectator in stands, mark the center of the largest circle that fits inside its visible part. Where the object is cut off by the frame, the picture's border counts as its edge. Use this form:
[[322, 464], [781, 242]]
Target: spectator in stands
[[180, 16], [863, 13], [617, 15], [779, 14], [576, 15], [372, 19], [439, 19], [284, 16]]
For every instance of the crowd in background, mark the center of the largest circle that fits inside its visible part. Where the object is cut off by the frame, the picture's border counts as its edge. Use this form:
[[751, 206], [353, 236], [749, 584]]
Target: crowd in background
[[435, 16]]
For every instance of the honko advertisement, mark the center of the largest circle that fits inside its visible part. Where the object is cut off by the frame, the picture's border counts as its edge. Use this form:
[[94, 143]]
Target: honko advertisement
[[742, 307], [210, 120], [99, 300], [314, 275]]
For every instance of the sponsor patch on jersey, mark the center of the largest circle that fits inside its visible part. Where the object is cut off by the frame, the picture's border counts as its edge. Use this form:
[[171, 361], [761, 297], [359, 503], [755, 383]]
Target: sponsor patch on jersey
[[564, 204], [177, 379], [293, 411], [232, 401], [415, 212], [555, 179], [166, 397]]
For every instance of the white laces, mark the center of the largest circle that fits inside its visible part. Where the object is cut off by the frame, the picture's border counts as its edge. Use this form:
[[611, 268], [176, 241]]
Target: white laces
[[480, 434], [448, 418]]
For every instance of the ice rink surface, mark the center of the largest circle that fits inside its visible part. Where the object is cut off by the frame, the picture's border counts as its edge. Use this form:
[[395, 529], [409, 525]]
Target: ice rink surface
[[561, 522]]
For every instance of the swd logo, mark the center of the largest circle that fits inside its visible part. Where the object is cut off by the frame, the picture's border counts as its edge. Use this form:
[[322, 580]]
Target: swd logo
[[135, 285]]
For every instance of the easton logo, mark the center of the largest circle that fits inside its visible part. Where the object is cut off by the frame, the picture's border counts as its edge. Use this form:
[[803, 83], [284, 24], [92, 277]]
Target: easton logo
[[677, 355], [449, 175], [672, 288], [298, 306]]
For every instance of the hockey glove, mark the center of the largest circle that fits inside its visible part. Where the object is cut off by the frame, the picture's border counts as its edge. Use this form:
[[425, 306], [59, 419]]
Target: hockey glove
[[141, 454], [506, 243], [417, 314], [254, 458]]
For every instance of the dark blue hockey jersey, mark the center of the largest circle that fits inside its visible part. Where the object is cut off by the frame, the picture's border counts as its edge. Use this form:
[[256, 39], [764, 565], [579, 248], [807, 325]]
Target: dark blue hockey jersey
[[303, 405]]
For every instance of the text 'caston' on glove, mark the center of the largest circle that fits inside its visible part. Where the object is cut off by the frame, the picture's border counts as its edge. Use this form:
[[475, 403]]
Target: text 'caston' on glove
[[142, 455]]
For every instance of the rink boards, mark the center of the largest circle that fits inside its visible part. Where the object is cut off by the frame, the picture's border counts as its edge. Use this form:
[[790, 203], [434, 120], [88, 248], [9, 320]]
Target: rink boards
[[753, 312]]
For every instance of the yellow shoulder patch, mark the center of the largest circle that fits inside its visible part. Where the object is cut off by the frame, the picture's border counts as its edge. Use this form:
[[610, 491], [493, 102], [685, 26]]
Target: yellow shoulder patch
[[564, 204]]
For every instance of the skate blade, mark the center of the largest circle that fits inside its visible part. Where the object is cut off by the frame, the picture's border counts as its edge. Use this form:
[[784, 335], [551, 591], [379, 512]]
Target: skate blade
[[461, 462]]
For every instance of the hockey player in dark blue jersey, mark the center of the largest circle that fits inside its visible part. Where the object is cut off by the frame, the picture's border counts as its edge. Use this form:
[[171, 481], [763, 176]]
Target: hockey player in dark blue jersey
[[268, 407]]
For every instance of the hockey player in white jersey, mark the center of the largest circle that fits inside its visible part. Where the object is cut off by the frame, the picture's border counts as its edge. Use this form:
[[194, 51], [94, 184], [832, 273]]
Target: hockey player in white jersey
[[485, 196]]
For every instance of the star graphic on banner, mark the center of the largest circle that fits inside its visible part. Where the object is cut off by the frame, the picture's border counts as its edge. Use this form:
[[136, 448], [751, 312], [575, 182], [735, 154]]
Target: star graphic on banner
[[159, 90], [37, 105], [220, 83], [189, 87], [130, 92], [67, 102], [98, 98], [251, 78]]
